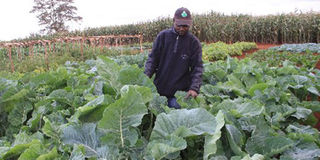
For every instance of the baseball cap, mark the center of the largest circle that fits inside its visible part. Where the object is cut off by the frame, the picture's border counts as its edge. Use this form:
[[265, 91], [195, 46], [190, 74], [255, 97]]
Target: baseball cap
[[182, 16]]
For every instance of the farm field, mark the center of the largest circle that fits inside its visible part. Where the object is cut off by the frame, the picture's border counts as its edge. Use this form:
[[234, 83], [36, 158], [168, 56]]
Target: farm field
[[73, 87], [260, 103]]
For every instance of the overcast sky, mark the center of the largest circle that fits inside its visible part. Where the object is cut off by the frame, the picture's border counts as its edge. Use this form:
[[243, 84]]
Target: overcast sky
[[17, 22]]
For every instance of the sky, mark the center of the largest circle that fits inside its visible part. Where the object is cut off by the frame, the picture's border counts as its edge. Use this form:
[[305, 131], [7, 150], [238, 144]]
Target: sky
[[17, 21]]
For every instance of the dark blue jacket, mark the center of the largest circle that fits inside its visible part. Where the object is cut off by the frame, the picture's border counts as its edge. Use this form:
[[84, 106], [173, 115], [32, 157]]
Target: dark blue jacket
[[176, 61]]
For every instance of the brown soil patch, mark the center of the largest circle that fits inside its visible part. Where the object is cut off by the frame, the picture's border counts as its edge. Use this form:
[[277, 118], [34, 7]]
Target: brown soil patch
[[266, 46], [318, 65], [260, 46], [317, 115]]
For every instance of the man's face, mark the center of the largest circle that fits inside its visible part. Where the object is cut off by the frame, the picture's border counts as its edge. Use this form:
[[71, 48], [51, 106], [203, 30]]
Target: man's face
[[181, 29]]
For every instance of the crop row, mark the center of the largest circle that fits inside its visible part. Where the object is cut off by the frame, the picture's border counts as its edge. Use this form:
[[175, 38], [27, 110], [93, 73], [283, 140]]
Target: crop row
[[214, 27], [220, 50], [299, 48], [276, 58]]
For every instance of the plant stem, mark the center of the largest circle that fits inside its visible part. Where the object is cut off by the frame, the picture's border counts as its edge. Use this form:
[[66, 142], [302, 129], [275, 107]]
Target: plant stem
[[121, 134]]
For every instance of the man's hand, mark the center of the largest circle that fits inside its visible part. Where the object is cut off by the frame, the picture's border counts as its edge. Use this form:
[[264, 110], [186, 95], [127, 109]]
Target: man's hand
[[191, 93]]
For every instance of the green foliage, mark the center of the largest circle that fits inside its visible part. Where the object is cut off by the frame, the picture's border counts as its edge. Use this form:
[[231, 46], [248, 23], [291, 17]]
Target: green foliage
[[181, 124], [120, 118], [138, 59], [298, 48], [62, 53], [220, 50], [275, 58], [99, 109]]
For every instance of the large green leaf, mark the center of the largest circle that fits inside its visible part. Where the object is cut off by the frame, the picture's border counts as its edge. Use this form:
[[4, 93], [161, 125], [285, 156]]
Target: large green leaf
[[109, 70], [81, 83], [5, 85], [267, 144], [278, 113], [302, 113], [214, 73], [93, 110], [298, 81], [265, 140], [88, 137], [184, 123], [132, 75], [39, 152], [51, 130], [162, 147], [85, 135], [236, 139], [210, 145], [10, 95], [302, 132], [272, 94], [287, 70], [17, 117], [22, 142], [303, 151], [257, 87], [45, 79], [255, 125], [313, 90], [17, 96], [242, 107], [61, 95], [232, 89], [53, 154], [16, 150], [19, 113], [125, 113], [157, 104], [145, 92], [3, 150], [236, 81], [78, 153], [209, 90], [198, 102]]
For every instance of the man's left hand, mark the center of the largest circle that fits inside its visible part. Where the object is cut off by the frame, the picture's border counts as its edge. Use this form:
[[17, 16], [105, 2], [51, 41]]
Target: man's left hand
[[191, 93]]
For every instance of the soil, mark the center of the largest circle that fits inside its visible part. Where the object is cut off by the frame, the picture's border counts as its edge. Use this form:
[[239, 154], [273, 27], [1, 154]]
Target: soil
[[317, 115], [260, 46], [318, 65]]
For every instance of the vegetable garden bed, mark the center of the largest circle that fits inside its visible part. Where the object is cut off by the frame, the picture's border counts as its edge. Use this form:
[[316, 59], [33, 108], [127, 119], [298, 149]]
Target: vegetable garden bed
[[267, 46], [109, 109], [101, 110]]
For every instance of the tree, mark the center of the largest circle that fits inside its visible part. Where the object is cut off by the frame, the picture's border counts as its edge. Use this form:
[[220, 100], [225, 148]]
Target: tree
[[53, 14]]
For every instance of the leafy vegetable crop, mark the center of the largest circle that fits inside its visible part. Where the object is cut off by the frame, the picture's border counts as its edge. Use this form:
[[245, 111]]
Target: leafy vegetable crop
[[298, 48], [276, 58], [99, 109], [220, 50]]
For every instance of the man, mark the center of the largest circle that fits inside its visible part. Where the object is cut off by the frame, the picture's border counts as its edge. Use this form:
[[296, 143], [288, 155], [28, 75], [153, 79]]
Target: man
[[176, 60]]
